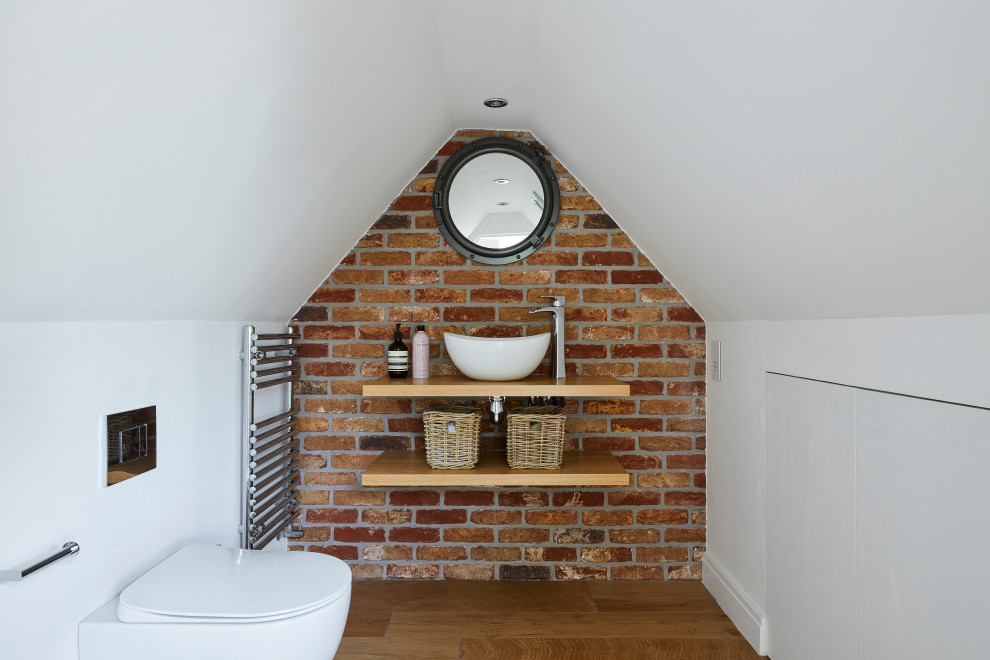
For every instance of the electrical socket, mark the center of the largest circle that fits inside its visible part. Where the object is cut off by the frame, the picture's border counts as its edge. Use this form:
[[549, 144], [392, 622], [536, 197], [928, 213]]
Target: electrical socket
[[716, 353]]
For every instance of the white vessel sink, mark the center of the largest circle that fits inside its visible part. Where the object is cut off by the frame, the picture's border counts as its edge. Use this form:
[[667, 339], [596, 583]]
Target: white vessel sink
[[496, 358]]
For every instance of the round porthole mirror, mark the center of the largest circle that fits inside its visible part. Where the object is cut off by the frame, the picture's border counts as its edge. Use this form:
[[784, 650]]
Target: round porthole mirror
[[496, 200]]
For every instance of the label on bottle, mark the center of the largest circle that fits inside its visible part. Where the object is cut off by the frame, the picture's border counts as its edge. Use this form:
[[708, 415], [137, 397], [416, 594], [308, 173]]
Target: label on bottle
[[420, 355], [398, 360]]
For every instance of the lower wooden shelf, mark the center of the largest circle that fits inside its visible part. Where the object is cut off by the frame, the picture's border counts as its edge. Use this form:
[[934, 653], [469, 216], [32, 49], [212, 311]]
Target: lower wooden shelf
[[580, 468]]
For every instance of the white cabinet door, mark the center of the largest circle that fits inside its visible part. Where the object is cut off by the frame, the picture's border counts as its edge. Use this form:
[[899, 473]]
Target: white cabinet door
[[923, 529], [810, 519]]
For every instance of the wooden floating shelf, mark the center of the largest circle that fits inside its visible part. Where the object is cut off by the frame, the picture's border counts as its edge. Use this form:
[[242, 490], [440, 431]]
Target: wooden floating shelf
[[462, 386], [580, 468]]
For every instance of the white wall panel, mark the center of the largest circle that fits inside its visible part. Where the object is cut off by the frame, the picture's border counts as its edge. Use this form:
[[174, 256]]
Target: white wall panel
[[922, 527], [941, 357], [875, 524], [811, 522]]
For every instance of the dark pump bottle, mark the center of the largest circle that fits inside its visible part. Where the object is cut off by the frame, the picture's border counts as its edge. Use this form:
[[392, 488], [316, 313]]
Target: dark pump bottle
[[398, 356]]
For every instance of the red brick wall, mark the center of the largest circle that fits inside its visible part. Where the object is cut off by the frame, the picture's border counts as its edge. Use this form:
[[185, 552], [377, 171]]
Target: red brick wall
[[623, 319]]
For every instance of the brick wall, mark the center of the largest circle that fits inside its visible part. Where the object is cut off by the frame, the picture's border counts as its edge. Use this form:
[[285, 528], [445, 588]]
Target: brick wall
[[623, 319]]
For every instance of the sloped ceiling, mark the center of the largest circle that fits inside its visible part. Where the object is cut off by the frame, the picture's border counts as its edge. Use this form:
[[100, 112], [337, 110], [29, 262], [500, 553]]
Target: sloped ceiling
[[782, 159], [214, 160], [202, 159]]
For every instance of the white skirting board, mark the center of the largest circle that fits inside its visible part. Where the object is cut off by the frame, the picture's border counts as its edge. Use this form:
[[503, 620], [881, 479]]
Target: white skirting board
[[738, 606]]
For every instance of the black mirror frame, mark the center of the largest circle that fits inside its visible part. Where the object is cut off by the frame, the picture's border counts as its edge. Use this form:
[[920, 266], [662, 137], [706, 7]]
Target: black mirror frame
[[551, 202]]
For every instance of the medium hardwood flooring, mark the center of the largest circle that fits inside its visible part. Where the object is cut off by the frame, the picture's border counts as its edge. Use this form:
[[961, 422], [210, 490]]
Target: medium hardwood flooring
[[448, 620]]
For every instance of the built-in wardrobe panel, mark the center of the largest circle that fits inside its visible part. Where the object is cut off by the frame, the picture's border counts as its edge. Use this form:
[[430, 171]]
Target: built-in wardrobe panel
[[922, 526], [811, 524]]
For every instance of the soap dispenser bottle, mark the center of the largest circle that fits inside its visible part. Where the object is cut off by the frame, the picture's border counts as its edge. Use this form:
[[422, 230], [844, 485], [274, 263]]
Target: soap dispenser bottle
[[421, 353], [398, 356]]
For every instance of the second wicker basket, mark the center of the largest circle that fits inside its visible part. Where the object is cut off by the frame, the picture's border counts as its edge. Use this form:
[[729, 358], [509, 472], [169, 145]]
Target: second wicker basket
[[535, 437]]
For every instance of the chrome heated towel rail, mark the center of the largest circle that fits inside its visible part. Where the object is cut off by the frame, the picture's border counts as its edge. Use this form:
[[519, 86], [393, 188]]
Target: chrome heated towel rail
[[270, 449]]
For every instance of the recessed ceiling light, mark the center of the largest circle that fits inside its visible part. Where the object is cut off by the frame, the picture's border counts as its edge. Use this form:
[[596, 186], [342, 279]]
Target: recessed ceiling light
[[501, 181], [496, 102], [501, 204]]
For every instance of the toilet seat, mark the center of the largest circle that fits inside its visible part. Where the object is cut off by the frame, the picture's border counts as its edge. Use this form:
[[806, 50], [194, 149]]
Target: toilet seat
[[213, 584]]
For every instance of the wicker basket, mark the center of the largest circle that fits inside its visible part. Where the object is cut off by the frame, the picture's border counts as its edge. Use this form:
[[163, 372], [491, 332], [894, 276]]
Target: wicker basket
[[535, 437], [452, 437]]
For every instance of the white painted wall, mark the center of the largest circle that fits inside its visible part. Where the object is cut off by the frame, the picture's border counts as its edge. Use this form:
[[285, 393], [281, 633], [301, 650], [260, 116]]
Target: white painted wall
[[939, 357], [59, 379]]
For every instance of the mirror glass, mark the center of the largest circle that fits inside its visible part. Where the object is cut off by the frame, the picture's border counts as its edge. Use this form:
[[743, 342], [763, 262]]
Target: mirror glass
[[131, 443], [496, 200]]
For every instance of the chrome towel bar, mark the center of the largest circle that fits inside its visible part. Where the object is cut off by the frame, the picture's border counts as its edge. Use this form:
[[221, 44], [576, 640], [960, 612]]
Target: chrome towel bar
[[270, 383], [259, 457], [267, 434], [262, 486], [282, 460], [70, 548], [268, 444], [281, 527], [271, 371], [273, 505], [262, 499], [291, 348], [272, 420], [267, 337], [255, 361], [260, 521]]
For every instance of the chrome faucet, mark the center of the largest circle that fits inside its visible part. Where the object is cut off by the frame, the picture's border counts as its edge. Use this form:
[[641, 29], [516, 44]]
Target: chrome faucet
[[557, 333]]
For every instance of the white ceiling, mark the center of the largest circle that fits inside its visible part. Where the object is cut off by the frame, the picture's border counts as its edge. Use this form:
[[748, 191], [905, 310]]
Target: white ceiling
[[490, 49], [214, 160]]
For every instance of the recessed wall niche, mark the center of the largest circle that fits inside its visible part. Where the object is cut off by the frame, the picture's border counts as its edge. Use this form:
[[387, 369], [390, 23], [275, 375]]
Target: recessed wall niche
[[624, 320], [131, 439]]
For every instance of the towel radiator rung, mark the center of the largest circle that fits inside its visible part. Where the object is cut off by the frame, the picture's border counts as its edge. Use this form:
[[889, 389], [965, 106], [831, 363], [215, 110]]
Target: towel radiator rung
[[271, 371], [273, 448], [273, 504], [281, 527], [260, 495], [267, 434], [271, 337], [290, 348], [271, 420], [257, 450], [282, 505], [271, 360], [276, 462], [272, 383]]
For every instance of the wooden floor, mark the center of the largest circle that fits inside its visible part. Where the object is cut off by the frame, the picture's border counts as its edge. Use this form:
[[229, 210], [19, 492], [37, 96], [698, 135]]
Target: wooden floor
[[441, 620]]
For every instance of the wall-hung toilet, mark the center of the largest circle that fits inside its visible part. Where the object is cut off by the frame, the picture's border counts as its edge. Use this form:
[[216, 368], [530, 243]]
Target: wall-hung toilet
[[206, 602]]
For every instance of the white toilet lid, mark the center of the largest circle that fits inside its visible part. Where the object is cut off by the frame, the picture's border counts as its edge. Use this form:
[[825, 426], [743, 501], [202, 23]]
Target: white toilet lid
[[217, 583]]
